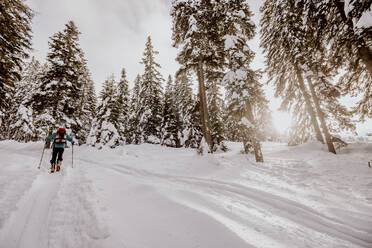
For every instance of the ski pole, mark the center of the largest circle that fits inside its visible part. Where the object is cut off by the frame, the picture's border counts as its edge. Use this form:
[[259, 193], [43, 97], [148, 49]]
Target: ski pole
[[42, 155], [72, 158]]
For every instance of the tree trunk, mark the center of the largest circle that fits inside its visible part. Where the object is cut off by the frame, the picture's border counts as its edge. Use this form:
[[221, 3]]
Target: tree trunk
[[203, 107], [309, 107], [256, 144], [366, 55], [323, 123]]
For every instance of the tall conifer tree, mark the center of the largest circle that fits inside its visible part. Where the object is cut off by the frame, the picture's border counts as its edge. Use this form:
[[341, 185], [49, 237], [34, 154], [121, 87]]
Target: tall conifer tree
[[15, 41], [124, 106], [58, 101], [346, 26], [245, 97], [150, 96], [197, 32], [135, 130], [106, 127], [172, 126], [87, 108], [188, 109], [216, 109], [21, 119], [297, 60]]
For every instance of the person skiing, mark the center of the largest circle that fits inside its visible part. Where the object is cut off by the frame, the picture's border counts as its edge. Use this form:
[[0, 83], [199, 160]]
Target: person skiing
[[59, 143]]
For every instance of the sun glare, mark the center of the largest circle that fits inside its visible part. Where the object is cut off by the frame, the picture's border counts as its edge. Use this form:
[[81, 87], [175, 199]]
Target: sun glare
[[282, 121]]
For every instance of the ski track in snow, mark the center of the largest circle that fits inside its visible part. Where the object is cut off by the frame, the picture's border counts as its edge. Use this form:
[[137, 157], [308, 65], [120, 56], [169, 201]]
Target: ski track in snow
[[133, 197], [28, 224], [53, 211], [249, 197]]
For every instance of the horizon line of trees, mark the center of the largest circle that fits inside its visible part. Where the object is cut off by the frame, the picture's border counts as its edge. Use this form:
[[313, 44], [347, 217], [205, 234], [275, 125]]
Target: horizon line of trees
[[306, 45]]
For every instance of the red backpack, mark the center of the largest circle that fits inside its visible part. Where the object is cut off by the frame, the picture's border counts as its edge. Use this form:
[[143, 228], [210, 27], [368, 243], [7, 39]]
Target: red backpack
[[60, 138]]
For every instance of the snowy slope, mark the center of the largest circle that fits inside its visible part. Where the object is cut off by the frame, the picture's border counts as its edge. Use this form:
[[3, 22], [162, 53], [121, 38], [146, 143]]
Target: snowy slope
[[153, 196]]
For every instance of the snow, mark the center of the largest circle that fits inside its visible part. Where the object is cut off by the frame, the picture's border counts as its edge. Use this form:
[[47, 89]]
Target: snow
[[153, 196], [241, 14], [365, 20], [348, 6], [244, 121], [230, 41]]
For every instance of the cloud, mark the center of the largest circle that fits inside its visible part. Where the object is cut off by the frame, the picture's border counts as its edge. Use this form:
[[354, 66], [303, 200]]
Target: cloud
[[113, 33]]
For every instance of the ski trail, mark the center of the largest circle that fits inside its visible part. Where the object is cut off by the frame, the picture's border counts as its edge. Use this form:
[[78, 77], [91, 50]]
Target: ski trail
[[281, 207], [28, 225]]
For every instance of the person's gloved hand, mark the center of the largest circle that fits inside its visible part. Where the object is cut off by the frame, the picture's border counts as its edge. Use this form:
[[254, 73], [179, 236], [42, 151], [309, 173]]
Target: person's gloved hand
[[72, 142]]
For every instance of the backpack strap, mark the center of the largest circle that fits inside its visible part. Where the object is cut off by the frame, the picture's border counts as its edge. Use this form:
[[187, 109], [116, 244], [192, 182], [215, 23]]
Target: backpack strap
[[60, 139]]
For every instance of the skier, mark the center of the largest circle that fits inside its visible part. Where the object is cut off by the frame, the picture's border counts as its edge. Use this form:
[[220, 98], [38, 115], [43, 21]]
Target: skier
[[59, 143]]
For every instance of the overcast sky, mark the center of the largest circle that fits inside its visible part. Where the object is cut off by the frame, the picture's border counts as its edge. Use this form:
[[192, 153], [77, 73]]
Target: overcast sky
[[114, 33]]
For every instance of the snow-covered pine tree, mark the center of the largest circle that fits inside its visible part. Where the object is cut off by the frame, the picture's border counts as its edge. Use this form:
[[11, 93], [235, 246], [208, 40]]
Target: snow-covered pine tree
[[21, 121], [106, 127], [321, 72], [346, 25], [188, 110], [231, 129], [198, 28], [193, 134], [58, 100], [134, 130], [334, 117], [150, 96], [88, 103], [15, 41], [245, 97], [124, 106], [172, 125], [281, 55], [216, 109], [290, 51]]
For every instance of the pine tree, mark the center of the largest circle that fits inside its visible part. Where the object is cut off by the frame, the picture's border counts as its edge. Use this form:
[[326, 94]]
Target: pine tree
[[281, 55], [88, 103], [197, 32], [172, 125], [135, 130], [231, 128], [106, 127], [150, 96], [215, 108], [344, 25], [124, 106], [204, 30], [21, 121], [58, 101], [15, 41], [245, 97], [193, 132], [188, 109], [293, 53]]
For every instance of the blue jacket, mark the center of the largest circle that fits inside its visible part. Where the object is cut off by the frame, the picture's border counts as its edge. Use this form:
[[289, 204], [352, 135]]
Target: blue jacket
[[59, 144]]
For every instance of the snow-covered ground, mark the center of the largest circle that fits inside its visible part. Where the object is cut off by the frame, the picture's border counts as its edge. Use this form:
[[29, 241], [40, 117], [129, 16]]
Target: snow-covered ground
[[150, 196]]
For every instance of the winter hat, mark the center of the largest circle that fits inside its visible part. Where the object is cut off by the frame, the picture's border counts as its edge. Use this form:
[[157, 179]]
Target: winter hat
[[61, 130]]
